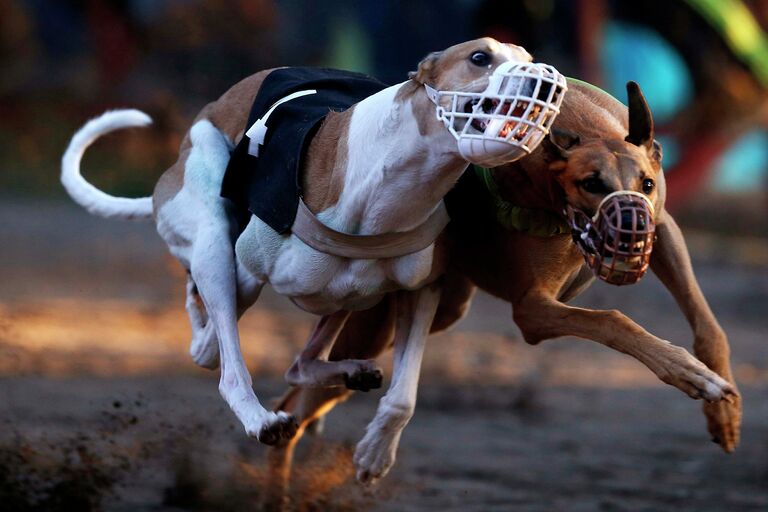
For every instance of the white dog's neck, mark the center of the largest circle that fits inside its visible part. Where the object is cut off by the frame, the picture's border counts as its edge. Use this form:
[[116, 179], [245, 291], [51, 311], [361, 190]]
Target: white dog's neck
[[395, 176]]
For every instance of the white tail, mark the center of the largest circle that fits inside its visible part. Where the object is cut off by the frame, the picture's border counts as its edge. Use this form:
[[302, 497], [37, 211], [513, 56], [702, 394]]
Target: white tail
[[85, 194]]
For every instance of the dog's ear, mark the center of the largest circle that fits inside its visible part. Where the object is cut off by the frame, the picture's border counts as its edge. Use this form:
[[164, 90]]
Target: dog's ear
[[560, 142], [657, 153], [424, 74], [557, 147], [640, 118]]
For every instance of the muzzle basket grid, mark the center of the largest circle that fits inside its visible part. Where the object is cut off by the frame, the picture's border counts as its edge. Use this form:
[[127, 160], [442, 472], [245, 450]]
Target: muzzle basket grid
[[518, 107], [618, 242]]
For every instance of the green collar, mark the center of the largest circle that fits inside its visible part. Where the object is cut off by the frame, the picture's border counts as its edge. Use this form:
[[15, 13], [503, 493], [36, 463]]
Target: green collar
[[516, 218]]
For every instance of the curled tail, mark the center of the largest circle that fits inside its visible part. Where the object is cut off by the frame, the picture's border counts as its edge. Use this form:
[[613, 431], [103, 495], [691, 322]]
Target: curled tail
[[85, 194]]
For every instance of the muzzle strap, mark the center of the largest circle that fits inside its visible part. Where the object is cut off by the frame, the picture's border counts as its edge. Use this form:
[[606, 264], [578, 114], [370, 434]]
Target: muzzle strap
[[624, 193], [432, 94]]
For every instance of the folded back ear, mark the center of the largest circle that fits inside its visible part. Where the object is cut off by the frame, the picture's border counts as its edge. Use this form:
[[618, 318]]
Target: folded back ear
[[640, 118], [657, 153], [424, 74], [560, 142]]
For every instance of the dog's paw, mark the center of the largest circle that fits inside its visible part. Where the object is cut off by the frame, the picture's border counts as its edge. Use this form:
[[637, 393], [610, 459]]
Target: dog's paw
[[374, 456], [692, 377], [278, 427], [365, 377], [724, 422]]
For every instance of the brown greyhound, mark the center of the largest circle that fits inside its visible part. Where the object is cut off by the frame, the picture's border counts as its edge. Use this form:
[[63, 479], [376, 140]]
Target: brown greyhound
[[589, 156]]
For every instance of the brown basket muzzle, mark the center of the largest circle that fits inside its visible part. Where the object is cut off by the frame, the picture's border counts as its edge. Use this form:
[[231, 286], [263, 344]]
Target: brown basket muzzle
[[617, 242]]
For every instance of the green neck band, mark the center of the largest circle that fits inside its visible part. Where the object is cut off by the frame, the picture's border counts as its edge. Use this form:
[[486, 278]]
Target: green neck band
[[516, 218]]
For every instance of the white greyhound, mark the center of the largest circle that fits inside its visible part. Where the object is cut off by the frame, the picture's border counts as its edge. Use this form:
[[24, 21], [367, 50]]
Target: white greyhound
[[380, 167]]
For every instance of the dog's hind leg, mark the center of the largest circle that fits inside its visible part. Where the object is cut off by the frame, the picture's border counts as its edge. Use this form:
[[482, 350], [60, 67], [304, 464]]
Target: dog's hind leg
[[312, 368], [375, 453], [204, 348], [195, 224], [672, 264], [213, 270], [202, 330], [541, 317]]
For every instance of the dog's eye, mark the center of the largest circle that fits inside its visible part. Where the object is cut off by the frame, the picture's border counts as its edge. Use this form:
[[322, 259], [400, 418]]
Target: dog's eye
[[648, 186], [593, 185], [480, 59]]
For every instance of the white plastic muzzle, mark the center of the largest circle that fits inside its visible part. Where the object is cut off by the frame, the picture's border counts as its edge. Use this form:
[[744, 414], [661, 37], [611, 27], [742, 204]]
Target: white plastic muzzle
[[509, 119]]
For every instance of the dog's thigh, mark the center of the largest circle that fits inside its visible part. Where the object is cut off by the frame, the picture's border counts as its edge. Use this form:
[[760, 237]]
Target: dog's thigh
[[204, 348], [187, 197]]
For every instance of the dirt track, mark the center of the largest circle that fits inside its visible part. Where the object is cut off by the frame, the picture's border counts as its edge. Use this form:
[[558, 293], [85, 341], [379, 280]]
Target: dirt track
[[93, 343]]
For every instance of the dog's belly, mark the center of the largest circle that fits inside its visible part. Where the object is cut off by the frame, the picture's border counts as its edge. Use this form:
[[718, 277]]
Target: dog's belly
[[321, 283]]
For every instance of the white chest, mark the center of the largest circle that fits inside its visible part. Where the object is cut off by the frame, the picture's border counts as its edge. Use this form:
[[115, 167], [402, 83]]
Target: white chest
[[321, 282]]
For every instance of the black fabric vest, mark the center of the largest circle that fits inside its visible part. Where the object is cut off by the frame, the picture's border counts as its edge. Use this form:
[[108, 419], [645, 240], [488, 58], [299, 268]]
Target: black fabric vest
[[269, 185]]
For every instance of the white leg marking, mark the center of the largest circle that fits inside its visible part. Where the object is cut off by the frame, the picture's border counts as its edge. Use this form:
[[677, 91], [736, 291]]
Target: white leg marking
[[213, 270], [375, 454], [197, 217], [205, 346], [202, 329]]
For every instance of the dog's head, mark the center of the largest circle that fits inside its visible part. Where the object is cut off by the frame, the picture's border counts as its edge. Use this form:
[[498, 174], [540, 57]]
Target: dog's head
[[613, 189], [492, 98]]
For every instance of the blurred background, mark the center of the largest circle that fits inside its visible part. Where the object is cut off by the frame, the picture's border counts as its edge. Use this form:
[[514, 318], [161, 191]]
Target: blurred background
[[703, 65], [103, 407]]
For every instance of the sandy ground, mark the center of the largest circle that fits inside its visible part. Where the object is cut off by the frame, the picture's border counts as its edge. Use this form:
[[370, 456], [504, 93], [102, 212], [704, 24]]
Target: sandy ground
[[101, 407]]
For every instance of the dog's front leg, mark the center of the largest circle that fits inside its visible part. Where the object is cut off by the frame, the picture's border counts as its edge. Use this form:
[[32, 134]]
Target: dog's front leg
[[541, 317], [672, 264], [213, 270], [312, 368], [375, 453]]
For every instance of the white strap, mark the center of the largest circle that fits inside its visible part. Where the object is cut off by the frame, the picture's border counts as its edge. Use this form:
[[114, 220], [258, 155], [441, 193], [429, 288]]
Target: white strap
[[626, 193], [258, 131], [432, 94]]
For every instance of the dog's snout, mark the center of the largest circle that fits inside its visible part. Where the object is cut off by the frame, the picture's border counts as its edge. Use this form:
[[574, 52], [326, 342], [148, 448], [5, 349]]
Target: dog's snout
[[628, 220]]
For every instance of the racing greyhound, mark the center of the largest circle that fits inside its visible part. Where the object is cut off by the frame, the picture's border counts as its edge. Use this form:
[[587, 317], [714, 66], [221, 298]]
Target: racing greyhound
[[373, 175]]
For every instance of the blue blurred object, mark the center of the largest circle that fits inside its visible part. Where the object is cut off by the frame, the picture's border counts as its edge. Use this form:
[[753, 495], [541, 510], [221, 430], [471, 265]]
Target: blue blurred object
[[671, 150], [744, 166], [632, 52]]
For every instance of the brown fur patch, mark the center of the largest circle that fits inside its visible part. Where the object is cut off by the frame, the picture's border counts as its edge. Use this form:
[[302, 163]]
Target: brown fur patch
[[451, 70], [423, 108], [325, 165], [170, 183], [445, 69], [229, 114]]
